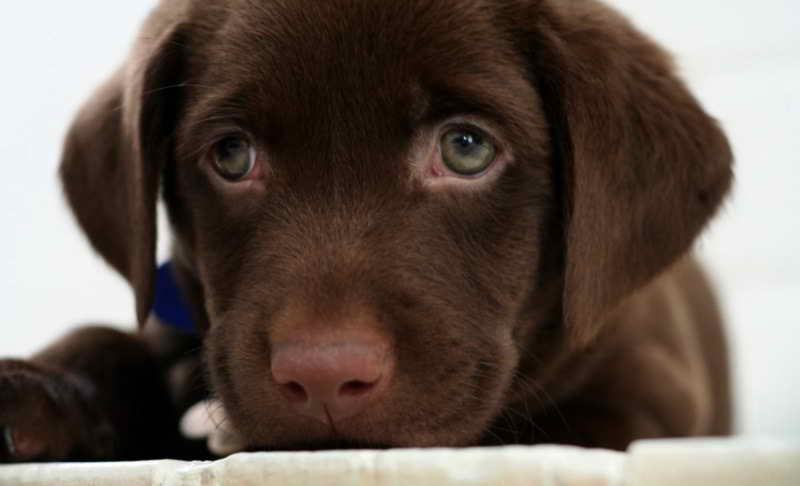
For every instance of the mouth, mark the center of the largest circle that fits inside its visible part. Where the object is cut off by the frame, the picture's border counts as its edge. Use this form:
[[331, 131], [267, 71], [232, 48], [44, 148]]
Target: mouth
[[321, 445]]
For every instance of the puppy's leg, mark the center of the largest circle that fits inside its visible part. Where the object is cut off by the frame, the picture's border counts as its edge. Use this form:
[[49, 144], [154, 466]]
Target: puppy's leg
[[95, 394]]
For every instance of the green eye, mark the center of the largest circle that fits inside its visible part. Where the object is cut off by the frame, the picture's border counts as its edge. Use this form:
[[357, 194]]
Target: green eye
[[234, 158], [466, 153]]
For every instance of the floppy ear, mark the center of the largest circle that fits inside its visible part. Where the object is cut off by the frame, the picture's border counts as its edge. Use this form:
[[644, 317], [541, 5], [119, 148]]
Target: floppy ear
[[114, 153], [644, 167]]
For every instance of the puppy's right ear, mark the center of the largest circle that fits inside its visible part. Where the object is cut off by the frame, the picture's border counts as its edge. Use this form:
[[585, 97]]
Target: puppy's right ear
[[114, 153]]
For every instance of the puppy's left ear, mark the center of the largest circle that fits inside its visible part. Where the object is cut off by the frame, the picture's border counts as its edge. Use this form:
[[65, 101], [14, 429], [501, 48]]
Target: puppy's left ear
[[643, 166], [115, 151]]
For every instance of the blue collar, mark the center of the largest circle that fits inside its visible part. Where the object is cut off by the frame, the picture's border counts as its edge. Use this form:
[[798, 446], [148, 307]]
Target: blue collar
[[169, 303]]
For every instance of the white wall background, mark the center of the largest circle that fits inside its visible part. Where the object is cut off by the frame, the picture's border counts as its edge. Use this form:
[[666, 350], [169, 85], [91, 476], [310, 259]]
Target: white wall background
[[741, 57]]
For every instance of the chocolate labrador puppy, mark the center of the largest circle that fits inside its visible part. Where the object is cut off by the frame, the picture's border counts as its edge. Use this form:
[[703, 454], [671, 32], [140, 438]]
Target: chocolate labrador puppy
[[396, 224]]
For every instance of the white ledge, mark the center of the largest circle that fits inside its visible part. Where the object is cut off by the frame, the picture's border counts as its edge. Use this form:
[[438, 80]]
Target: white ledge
[[724, 462]]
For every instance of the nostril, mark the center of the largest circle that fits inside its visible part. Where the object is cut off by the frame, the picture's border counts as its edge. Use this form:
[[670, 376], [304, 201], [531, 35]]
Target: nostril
[[355, 388], [331, 381], [295, 392]]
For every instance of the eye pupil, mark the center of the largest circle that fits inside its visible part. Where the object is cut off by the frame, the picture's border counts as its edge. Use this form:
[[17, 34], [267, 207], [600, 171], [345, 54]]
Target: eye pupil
[[231, 146], [467, 139]]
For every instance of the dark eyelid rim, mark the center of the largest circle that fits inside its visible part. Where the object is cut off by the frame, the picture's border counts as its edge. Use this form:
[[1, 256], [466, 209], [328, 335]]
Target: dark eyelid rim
[[429, 152]]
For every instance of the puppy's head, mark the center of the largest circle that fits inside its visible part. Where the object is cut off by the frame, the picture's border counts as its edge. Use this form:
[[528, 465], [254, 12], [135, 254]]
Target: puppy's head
[[380, 208]]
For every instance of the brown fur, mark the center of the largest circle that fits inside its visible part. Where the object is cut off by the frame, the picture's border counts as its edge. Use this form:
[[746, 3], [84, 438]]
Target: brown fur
[[556, 303]]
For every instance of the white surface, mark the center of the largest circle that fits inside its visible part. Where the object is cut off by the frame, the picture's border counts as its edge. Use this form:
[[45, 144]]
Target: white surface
[[742, 58], [713, 462], [648, 463]]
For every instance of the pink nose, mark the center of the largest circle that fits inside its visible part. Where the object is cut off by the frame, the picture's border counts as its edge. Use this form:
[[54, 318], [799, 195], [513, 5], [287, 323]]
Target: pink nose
[[331, 381]]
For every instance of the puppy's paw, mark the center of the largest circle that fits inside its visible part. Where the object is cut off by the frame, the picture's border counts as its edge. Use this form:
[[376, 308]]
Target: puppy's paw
[[207, 420], [49, 415]]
